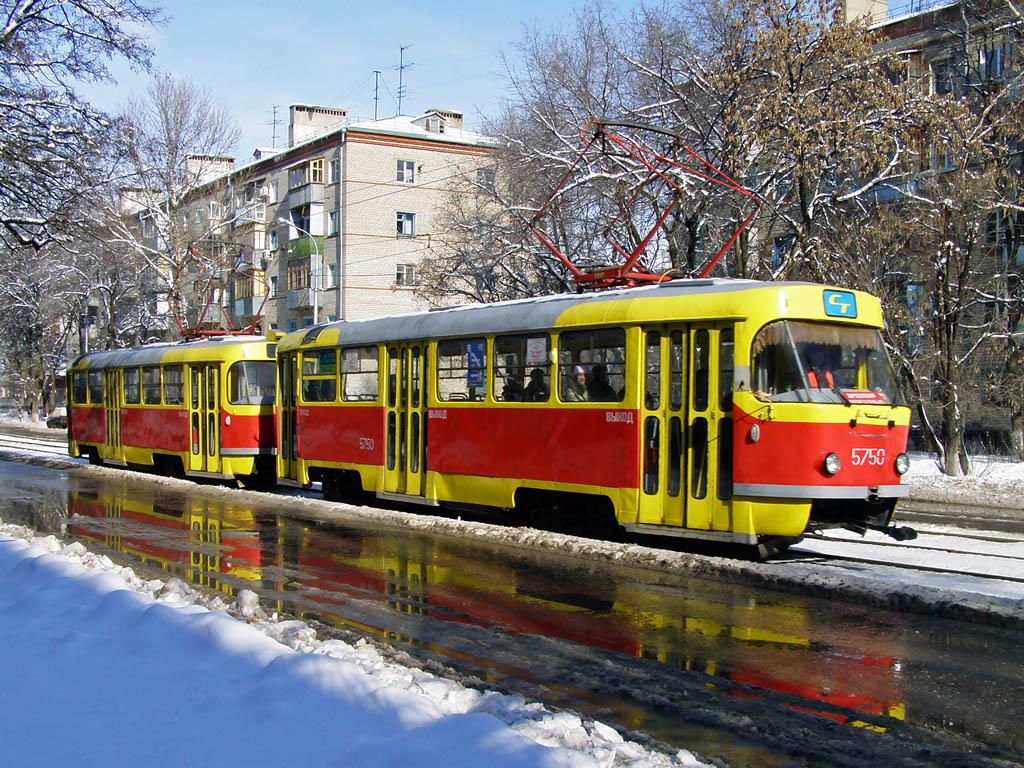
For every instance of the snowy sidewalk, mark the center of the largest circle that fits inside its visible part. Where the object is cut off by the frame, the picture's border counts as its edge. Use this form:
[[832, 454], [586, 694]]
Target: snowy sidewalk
[[103, 669]]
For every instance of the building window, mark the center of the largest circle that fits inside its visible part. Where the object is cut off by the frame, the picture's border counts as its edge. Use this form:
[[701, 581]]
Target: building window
[[316, 171], [272, 192], [291, 325], [332, 223], [298, 275], [334, 171], [485, 179], [273, 286], [297, 176], [943, 74], [272, 244], [332, 276], [406, 224], [405, 276], [992, 61], [406, 171]]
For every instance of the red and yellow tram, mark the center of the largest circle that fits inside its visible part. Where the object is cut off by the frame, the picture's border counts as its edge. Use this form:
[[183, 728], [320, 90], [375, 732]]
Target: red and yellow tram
[[736, 411], [202, 408]]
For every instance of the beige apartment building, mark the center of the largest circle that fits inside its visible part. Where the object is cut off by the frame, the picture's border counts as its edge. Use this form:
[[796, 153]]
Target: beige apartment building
[[334, 226]]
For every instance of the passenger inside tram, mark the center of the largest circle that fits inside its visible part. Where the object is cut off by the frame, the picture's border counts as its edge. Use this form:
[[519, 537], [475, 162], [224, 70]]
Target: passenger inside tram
[[537, 388]]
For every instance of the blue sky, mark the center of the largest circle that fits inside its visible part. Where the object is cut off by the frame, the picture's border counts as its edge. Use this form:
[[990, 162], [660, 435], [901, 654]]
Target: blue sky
[[253, 55]]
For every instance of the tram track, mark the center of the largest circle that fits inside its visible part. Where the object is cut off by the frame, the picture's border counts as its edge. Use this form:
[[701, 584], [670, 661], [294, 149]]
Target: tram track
[[997, 566], [36, 445]]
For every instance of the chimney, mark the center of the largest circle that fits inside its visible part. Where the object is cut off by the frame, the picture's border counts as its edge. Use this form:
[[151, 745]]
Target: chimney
[[306, 122]]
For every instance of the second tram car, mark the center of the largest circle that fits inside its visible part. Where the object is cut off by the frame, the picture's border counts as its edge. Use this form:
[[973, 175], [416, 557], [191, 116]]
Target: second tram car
[[730, 410], [202, 408]]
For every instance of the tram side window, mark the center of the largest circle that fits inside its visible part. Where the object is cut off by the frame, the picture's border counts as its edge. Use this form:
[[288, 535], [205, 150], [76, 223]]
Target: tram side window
[[522, 366], [131, 386], [592, 365], [320, 376], [151, 385], [96, 387], [360, 373], [462, 369], [79, 390], [251, 382], [174, 384]]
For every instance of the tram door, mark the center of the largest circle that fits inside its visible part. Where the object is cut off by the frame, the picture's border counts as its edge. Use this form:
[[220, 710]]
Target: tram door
[[112, 400], [204, 418], [686, 413], [287, 440], [405, 428]]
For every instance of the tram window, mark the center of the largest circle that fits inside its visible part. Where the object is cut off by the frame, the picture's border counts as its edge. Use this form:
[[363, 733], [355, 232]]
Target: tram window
[[174, 384], [96, 387], [79, 390], [131, 386], [251, 382], [320, 376], [652, 368], [700, 371], [195, 387], [725, 369], [598, 357], [675, 368], [151, 385], [522, 368], [414, 377], [392, 378], [699, 458], [359, 373], [462, 369]]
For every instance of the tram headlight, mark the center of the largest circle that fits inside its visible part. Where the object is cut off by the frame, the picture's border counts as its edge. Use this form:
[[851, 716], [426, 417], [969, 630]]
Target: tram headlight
[[902, 464], [832, 464]]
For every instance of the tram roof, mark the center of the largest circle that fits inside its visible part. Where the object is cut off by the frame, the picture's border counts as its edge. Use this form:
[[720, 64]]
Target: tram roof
[[156, 353], [518, 315]]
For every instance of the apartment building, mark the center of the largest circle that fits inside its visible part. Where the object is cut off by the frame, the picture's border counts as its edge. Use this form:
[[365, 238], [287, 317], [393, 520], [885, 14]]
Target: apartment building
[[334, 226]]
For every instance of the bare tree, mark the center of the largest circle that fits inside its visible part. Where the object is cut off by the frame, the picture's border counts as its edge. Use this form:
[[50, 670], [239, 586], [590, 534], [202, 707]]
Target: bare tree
[[173, 142], [49, 137]]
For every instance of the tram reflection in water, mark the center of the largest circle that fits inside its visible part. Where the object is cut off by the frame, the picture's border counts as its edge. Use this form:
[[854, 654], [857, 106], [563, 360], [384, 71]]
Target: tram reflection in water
[[356, 581]]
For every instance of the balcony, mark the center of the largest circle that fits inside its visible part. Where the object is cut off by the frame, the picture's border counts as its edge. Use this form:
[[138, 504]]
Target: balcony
[[305, 194], [243, 307], [300, 298], [303, 247]]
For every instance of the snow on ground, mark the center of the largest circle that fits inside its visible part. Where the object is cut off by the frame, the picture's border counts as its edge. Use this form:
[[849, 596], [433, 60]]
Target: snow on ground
[[105, 669]]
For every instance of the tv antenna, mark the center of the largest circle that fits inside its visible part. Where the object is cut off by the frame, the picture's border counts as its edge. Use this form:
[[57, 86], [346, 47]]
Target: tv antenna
[[402, 66], [376, 86]]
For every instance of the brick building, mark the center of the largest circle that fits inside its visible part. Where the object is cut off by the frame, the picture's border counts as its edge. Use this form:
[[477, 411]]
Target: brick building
[[335, 225]]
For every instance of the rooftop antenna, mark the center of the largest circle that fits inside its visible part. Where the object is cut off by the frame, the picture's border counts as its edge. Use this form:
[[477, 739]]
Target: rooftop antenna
[[402, 66], [274, 123], [376, 85]]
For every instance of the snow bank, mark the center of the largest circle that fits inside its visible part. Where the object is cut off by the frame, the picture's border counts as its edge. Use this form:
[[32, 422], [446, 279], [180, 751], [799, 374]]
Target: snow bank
[[104, 668]]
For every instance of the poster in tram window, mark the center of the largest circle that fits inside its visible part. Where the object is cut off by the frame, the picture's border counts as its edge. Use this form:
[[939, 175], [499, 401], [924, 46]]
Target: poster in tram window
[[475, 363]]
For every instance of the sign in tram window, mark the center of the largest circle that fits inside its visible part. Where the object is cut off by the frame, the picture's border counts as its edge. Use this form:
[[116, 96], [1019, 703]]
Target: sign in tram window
[[522, 368], [592, 365], [151, 385], [461, 369], [360, 373], [131, 386], [320, 376], [79, 391], [96, 387], [174, 384]]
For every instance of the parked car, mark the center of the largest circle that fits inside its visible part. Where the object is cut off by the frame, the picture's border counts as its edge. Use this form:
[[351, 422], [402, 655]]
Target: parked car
[[58, 418]]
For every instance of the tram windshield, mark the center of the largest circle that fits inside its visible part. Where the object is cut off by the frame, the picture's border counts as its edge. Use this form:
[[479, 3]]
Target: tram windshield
[[795, 361]]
